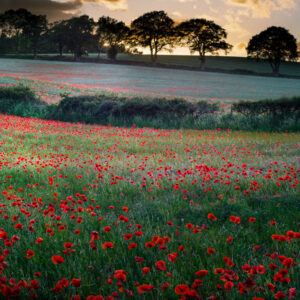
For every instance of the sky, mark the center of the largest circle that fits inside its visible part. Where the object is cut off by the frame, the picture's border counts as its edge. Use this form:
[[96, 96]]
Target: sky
[[241, 18]]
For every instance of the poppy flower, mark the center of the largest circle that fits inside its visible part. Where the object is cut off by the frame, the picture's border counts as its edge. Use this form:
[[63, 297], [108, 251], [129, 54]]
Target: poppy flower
[[56, 259], [107, 245], [145, 288], [182, 289], [76, 282], [30, 253], [201, 273], [211, 251]]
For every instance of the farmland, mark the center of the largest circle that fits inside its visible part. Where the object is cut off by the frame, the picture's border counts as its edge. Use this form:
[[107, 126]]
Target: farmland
[[93, 211], [52, 78], [107, 212]]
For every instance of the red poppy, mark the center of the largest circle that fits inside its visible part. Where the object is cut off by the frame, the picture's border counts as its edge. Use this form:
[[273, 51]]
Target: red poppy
[[107, 245], [57, 259], [145, 288], [76, 282], [182, 289]]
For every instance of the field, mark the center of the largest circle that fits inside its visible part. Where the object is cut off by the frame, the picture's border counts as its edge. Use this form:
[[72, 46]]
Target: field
[[91, 211], [52, 78], [227, 63]]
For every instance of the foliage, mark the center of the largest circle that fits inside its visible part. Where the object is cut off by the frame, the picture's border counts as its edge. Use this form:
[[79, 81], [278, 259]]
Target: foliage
[[58, 33], [147, 112], [203, 36], [154, 30], [33, 29], [20, 100], [274, 44], [112, 34], [279, 109], [101, 108], [80, 35], [17, 93]]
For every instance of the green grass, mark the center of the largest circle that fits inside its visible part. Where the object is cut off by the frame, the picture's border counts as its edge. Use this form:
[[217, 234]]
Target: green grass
[[227, 63], [177, 176]]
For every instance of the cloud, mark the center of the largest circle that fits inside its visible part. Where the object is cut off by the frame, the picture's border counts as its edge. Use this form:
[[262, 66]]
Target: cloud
[[57, 9], [263, 8]]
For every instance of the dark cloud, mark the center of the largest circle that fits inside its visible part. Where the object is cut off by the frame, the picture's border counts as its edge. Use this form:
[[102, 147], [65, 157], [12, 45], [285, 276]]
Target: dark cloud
[[55, 10]]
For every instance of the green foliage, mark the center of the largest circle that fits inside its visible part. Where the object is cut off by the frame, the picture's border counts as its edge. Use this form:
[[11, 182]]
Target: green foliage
[[154, 30], [280, 109], [274, 44], [20, 100], [203, 36], [101, 108], [113, 33], [18, 93], [264, 115]]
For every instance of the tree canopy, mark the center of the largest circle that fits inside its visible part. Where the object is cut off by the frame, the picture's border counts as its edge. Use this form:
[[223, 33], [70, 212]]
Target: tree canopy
[[154, 30], [203, 36], [274, 44], [112, 34], [80, 35]]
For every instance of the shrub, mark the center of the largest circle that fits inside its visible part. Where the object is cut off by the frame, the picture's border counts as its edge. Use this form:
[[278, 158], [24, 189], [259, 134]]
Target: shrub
[[18, 93], [101, 108], [280, 109], [20, 100]]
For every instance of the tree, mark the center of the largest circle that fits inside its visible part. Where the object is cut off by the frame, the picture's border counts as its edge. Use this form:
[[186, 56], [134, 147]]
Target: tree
[[58, 33], [154, 30], [112, 34], [34, 27], [274, 44], [12, 24], [203, 36], [80, 35]]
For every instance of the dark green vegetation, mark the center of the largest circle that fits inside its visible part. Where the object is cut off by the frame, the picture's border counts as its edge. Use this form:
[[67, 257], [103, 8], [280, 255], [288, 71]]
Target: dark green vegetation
[[23, 32], [274, 44], [264, 115]]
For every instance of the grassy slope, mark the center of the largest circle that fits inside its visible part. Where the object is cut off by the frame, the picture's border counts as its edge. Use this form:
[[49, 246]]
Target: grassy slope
[[84, 162], [213, 62]]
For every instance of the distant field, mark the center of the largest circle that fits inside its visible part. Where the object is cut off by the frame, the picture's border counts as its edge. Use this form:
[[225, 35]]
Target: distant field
[[52, 78], [213, 62]]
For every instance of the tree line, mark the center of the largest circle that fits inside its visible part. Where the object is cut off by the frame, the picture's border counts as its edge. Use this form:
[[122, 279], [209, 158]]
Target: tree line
[[23, 32]]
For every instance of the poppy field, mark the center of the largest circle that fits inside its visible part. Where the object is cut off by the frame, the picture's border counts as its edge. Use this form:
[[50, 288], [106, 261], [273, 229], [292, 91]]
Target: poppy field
[[49, 79], [101, 212]]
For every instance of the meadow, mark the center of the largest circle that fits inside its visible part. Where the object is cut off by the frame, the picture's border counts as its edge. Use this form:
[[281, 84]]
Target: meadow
[[102, 212], [226, 63], [50, 79]]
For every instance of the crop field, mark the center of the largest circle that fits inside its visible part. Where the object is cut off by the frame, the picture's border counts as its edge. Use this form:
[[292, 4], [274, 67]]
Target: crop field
[[50, 79], [229, 63], [96, 212]]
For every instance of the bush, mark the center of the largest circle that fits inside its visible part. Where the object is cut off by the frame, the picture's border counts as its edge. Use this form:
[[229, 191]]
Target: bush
[[20, 100], [102, 108], [264, 115], [279, 109], [18, 93]]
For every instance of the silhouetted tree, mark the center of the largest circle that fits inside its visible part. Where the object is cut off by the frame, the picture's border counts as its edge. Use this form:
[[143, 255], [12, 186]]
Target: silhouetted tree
[[274, 44], [12, 24], [112, 34], [80, 35], [58, 33], [154, 30], [34, 28], [203, 36]]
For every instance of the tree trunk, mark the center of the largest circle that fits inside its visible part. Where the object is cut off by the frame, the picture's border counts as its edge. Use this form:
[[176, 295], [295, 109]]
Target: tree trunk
[[203, 63], [76, 56], [35, 53], [60, 49], [276, 70]]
